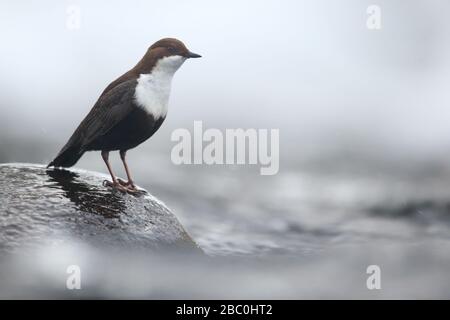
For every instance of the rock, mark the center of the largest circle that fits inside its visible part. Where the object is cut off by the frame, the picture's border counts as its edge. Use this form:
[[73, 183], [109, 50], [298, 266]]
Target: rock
[[41, 206]]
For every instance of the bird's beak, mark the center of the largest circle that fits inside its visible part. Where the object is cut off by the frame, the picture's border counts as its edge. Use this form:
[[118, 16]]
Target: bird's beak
[[193, 55]]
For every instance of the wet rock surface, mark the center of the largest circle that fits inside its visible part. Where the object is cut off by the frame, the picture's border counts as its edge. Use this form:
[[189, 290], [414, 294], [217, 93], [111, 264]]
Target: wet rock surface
[[40, 206]]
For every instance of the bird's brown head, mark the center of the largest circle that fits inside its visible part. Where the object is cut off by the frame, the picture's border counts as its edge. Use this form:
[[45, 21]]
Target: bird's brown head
[[171, 47], [165, 56], [167, 53]]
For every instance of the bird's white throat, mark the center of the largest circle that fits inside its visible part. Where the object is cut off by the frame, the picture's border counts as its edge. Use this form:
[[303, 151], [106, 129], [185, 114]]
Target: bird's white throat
[[153, 89]]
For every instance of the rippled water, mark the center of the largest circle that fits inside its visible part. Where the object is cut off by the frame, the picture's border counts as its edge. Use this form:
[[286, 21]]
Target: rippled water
[[308, 232], [299, 210]]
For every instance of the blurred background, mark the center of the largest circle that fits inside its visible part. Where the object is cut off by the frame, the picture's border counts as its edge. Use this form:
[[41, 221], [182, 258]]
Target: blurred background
[[363, 117]]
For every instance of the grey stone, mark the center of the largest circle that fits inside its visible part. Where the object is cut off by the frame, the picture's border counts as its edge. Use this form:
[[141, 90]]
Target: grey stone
[[39, 205]]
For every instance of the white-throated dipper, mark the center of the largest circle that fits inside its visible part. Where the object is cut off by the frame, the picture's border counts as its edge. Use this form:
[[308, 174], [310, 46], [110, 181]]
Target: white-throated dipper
[[129, 111]]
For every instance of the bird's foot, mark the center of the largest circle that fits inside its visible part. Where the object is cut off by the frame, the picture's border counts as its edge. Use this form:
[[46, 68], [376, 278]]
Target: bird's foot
[[128, 184], [118, 186]]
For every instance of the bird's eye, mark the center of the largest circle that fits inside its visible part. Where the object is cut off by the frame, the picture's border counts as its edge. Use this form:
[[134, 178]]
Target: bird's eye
[[171, 49]]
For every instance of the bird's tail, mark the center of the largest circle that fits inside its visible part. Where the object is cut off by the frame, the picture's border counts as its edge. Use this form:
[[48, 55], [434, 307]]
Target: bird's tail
[[67, 157]]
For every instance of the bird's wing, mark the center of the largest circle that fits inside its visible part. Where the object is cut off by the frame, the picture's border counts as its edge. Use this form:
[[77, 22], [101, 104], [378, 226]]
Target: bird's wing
[[108, 111]]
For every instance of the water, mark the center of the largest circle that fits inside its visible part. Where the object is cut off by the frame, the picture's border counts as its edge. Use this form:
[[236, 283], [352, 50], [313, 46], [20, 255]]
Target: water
[[309, 232], [304, 209]]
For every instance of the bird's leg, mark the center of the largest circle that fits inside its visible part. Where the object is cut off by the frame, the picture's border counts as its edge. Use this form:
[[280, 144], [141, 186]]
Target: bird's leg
[[114, 183], [129, 184]]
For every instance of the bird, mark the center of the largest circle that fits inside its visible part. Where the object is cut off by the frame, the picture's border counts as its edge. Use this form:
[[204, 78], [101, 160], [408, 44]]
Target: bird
[[129, 110]]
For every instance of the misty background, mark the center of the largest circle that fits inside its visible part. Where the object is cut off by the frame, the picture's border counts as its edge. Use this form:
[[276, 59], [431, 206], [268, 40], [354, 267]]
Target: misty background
[[310, 68], [363, 117]]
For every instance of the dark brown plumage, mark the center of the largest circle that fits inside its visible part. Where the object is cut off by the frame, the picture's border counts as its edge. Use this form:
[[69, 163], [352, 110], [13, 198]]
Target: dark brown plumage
[[117, 121]]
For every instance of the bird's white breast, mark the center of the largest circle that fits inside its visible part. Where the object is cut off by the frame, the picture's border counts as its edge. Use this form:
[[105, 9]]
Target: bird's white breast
[[153, 89]]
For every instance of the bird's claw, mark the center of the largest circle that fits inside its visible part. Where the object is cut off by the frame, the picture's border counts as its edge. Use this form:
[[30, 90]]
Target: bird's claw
[[128, 184], [119, 186]]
